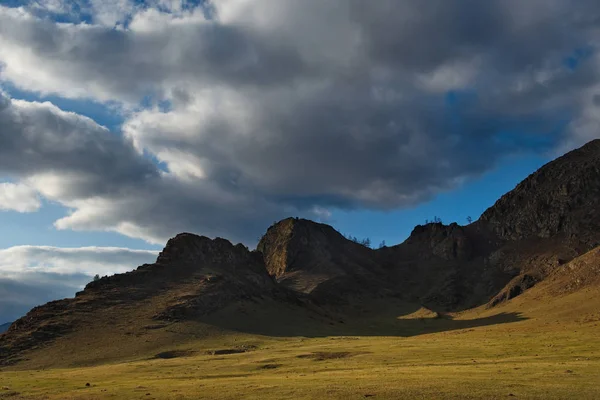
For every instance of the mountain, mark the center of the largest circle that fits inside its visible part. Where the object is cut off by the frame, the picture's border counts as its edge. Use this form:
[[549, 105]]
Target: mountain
[[549, 219], [193, 276], [561, 198], [4, 327], [305, 278]]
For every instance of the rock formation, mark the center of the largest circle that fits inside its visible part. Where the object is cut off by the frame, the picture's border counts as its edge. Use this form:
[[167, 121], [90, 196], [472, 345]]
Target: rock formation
[[309, 257], [561, 198]]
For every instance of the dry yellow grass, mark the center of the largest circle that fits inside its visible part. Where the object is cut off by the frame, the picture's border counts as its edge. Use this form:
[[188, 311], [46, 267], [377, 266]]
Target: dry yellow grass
[[552, 351]]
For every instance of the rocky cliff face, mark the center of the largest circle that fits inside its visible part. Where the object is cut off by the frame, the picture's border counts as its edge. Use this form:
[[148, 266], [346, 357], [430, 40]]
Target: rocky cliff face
[[561, 198], [302, 255], [437, 265], [448, 242]]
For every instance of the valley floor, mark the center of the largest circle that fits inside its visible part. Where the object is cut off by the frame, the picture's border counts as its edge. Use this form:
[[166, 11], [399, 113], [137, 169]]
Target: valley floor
[[551, 351]]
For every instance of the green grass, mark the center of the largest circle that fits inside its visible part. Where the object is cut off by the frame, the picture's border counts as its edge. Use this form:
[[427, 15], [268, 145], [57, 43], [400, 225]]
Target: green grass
[[551, 352]]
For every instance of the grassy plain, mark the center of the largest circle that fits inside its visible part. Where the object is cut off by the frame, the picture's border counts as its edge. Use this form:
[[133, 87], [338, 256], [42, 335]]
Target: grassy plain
[[534, 347]]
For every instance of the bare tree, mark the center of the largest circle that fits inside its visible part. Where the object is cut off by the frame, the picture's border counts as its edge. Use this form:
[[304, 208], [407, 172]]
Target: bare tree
[[469, 219]]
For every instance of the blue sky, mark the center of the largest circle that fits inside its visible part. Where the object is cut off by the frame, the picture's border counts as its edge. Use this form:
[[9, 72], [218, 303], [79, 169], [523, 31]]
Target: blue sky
[[125, 122]]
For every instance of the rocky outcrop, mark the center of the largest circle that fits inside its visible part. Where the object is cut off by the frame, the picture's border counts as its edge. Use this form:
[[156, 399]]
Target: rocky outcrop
[[561, 198], [448, 242], [186, 256], [302, 255], [581, 272], [514, 288]]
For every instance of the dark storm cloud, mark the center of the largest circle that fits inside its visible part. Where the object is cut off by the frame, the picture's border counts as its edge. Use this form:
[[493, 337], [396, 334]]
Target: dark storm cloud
[[284, 107], [40, 138]]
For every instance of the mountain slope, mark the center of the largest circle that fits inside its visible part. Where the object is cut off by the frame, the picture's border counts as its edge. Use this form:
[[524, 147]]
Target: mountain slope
[[533, 347], [549, 219], [193, 276], [561, 198], [307, 279], [582, 272]]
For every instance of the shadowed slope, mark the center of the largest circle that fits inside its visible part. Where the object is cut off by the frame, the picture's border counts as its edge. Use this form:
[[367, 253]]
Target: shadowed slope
[[547, 220], [552, 352], [314, 258], [192, 276]]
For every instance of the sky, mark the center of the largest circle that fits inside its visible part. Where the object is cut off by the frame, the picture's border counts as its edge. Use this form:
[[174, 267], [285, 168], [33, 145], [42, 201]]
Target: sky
[[125, 122]]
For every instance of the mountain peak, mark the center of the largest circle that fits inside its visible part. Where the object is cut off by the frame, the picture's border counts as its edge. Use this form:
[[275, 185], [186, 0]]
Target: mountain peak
[[188, 248], [445, 241], [302, 254], [289, 244]]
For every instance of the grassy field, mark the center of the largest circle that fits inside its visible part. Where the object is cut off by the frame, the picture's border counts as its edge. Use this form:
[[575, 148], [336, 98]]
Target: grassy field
[[530, 348]]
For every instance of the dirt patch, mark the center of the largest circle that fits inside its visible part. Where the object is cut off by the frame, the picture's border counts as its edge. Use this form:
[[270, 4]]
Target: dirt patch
[[165, 355], [225, 351], [235, 350], [269, 366], [324, 355]]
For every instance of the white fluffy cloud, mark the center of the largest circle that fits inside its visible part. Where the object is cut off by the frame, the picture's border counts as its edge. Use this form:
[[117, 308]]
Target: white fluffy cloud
[[108, 186], [86, 261], [33, 275], [18, 197], [237, 112]]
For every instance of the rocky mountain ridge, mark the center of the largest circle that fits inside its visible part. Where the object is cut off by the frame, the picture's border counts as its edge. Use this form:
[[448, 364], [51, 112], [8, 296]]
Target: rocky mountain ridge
[[561, 198], [548, 220], [192, 276]]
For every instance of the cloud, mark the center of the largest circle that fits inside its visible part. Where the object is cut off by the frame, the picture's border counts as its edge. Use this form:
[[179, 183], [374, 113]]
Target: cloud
[[257, 109], [40, 138], [33, 275], [18, 197], [110, 13], [87, 261], [109, 186]]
